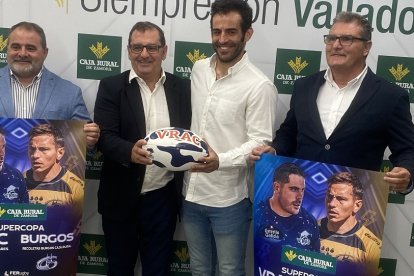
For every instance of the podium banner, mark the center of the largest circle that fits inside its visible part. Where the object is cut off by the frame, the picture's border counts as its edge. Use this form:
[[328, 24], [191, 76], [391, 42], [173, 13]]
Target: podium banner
[[42, 168], [313, 218]]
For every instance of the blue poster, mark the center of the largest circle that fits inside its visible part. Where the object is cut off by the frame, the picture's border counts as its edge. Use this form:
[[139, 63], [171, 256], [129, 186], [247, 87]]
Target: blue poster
[[42, 168], [313, 218]]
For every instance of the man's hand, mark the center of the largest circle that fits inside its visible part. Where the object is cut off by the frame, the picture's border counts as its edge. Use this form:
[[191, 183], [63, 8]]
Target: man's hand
[[258, 151], [92, 133], [209, 163], [140, 155], [398, 178]]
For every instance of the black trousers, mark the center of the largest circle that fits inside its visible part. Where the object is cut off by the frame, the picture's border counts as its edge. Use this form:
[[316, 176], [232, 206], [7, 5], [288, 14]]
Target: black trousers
[[150, 233]]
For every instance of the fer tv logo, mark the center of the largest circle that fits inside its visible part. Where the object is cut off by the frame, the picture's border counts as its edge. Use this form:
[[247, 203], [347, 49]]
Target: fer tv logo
[[292, 65], [398, 70]]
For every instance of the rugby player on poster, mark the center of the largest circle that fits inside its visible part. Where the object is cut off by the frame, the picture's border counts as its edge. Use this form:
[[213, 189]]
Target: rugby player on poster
[[281, 218], [12, 185], [342, 235], [47, 181]]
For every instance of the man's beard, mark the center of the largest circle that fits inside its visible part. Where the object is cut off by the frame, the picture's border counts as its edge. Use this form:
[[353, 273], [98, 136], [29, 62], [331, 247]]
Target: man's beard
[[28, 70]]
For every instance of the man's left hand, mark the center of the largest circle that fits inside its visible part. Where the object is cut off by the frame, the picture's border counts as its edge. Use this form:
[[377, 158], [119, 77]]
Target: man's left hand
[[209, 163], [92, 133], [398, 178]]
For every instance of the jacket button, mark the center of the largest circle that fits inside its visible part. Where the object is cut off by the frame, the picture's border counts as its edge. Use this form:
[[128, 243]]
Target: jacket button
[[327, 147]]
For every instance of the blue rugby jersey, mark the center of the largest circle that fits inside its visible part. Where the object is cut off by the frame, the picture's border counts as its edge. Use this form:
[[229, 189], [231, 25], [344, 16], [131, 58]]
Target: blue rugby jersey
[[12, 186], [300, 231]]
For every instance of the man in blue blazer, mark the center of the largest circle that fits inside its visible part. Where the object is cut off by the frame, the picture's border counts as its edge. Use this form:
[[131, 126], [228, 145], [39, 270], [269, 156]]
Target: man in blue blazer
[[29, 90], [347, 115], [58, 99], [138, 200]]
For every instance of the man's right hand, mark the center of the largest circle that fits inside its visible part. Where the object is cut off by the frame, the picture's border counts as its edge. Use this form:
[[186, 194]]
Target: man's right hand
[[258, 151], [140, 155]]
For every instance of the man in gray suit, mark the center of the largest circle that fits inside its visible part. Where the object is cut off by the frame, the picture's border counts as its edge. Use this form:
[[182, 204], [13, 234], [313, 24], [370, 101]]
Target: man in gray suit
[[29, 90]]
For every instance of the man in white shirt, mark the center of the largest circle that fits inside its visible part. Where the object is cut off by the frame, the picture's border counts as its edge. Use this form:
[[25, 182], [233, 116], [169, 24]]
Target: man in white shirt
[[139, 201], [347, 115], [229, 96]]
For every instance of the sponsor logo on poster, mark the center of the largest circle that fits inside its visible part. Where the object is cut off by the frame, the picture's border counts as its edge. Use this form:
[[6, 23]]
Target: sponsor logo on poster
[[23, 212], [308, 259], [47, 263]]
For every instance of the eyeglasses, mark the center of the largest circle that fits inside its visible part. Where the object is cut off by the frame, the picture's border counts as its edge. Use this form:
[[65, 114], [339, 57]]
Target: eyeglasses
[[138, 48], [345, 40]]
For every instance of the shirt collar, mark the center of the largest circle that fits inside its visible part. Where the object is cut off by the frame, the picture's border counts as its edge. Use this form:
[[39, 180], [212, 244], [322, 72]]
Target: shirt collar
[[235, 68], [328, 76], [37, 77], [133, 75]]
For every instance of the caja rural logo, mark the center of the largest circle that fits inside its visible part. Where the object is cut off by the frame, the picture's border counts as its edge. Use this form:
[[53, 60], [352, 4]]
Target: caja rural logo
[[398, 70], [292, 65], [92, 255], [62, 4], [309, 260], [3, 43], [180, 261], [393, 197], [4, 39], [186, 54], [98, 56]]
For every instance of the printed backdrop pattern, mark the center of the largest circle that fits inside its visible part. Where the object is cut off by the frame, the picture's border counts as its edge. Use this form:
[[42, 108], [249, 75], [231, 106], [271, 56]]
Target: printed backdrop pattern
[[87, 41]]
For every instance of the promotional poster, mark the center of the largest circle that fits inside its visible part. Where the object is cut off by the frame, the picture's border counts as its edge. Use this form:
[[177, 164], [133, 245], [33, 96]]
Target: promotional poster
[[42, 169], [313, 218]]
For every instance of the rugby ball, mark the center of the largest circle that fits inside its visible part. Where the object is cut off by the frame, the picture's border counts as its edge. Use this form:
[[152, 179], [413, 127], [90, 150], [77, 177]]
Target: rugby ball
[[175, 149]]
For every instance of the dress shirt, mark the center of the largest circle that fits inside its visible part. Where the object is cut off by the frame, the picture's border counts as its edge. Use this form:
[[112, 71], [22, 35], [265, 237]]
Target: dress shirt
[[156, 116], [333, 101], [24, 98], [233, 114]]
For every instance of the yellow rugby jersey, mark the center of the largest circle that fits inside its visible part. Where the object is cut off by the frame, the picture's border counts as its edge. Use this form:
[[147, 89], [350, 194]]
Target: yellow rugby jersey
[[359, 245], [65, 189]]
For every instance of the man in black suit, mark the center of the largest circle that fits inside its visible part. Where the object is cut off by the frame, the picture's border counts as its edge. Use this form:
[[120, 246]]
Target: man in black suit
[[138, 200], [347, 115]]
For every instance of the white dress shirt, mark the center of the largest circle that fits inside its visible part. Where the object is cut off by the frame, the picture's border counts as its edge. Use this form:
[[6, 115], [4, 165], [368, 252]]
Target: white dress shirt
[[333, 101], [233, 114], [156, 116], [24, 98]]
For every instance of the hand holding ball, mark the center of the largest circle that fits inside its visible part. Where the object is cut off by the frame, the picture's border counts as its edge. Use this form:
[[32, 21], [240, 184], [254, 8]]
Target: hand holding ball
[[175, 149]]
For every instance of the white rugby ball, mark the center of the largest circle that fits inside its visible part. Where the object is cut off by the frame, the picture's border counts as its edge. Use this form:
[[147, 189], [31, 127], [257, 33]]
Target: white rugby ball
[[174, 148]]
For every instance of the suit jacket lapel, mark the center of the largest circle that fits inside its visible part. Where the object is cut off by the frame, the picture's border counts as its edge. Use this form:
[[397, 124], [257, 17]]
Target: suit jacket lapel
[[6, 99], [314, 117], [135, 104], [172, 100], [47, 84], [367, 89]]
